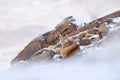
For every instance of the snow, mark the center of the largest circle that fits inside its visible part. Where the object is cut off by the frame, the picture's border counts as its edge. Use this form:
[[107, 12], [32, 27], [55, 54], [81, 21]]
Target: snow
[[78, 21], [113, 27], [56, 57], [116, 20], [94, 36]]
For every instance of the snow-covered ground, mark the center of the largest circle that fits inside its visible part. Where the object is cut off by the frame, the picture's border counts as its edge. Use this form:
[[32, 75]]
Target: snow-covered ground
[[23, 20], [95, 63]]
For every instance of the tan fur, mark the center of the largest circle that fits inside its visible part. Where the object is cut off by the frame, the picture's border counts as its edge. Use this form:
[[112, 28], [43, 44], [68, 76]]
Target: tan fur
[[65, 52], [102, 27], [88, 35], [82, 35], [67, 48], [103, 31], [93, 31]]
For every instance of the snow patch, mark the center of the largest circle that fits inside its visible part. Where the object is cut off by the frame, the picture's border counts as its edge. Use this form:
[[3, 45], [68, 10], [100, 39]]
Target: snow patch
[[79, 22], [95, 36], [56, 57], [116, 20], [113, 27]]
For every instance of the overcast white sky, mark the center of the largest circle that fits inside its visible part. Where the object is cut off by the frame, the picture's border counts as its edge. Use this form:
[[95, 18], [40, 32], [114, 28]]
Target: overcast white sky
[[16, 14]]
